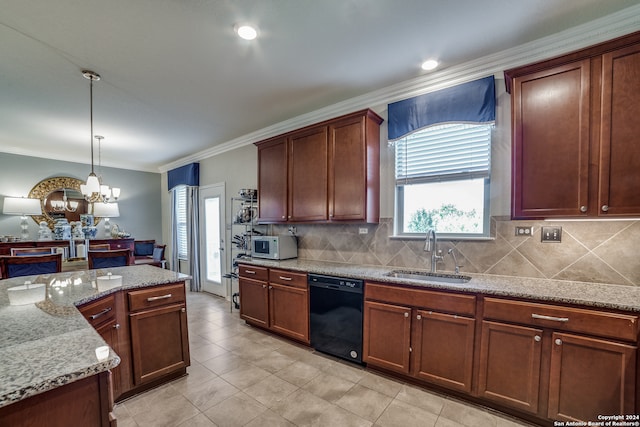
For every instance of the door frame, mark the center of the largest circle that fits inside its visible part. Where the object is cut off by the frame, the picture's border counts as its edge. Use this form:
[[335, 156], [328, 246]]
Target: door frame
[[219, 190]]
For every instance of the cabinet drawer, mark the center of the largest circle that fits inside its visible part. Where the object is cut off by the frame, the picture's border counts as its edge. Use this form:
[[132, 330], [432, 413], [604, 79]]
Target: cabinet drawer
[[100, 311], [422, 298], [253, 272], [592, 322], [284, 277], [156, 297]]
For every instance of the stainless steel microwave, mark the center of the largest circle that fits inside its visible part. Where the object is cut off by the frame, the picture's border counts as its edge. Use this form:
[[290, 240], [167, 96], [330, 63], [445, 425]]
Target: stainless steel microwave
[[274, 247]]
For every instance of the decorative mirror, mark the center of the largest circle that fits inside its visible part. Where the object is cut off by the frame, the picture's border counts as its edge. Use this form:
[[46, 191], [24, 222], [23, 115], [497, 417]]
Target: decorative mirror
[[60, 197]]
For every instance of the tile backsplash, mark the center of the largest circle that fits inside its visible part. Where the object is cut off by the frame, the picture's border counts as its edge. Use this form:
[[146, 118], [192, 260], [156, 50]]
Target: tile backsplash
[[590, 251]]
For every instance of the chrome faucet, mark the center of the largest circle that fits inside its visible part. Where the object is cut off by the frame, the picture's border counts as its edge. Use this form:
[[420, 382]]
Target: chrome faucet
[[431, 245]]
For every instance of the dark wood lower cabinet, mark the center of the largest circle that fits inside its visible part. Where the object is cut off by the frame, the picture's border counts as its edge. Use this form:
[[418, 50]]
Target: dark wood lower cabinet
[[510, 360], [159, 342], [86, 402], [277, 300], [590, 377], [443, 349], [254, 301], [387, 336], [289, 311], [431, 346]]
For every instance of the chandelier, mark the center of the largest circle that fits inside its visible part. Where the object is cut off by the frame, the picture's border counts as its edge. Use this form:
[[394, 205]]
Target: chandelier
[[94, 191], [64, 204]]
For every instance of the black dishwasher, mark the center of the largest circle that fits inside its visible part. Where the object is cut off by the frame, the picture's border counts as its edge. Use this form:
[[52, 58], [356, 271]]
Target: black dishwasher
[[335, 316]]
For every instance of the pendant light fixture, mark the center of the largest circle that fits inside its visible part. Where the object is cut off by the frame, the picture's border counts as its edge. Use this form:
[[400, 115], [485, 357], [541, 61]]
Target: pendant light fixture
[[94, 190]]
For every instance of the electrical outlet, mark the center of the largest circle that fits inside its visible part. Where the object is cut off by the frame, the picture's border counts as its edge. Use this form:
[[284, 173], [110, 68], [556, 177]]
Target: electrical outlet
[[524, 231], [363, 230], [552, 234]]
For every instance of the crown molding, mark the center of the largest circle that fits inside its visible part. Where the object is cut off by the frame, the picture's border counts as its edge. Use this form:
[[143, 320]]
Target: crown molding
[[606, 28]]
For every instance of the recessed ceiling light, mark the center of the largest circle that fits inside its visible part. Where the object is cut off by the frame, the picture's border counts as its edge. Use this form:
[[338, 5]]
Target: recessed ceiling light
[[246, 32], [429, 64]]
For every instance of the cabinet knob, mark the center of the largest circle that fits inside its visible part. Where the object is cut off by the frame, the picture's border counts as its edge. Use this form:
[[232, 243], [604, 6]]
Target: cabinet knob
[[282, 216], [183, 310], [270, 287], [406, 315], [116, 326], [264, 286], [537, 338], [289, 216], [418, 317], [583, 208], [558, 341], [604, 208]]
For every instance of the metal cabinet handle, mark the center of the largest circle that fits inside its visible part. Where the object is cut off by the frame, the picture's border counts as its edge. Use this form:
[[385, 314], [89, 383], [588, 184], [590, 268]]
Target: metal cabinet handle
[[537, 338], [604, 208], [558, 341], [418, 317], [552, 318], [406, 315], [583, 208], [285, 278], [116, 326], [250, 272], [270, 287], [264, 286], [101, 313], [183, 310], [167, 296]]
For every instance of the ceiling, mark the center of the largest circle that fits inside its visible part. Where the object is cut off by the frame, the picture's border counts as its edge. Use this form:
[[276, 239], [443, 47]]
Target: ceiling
[[176, 80]]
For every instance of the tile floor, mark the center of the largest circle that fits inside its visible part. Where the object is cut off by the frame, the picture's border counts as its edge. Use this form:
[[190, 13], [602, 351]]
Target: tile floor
[[241, 376]]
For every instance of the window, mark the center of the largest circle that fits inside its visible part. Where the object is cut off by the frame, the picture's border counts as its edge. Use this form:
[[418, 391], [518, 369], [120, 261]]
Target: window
[[181, 219], [442, 181]]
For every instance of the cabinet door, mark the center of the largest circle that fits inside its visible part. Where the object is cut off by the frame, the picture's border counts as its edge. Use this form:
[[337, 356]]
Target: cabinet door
[[550, 150], [590, 377], [110, 334], [254, 301], [387, 336], [289, 311], [620, 127], [308, 175], [509, 371], [159, 342], [272, 181], [348, 170], [443, 349]]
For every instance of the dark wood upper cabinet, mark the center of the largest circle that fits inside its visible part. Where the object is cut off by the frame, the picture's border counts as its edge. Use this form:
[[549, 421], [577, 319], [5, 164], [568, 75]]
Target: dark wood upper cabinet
[[325, 172], [575, 133]]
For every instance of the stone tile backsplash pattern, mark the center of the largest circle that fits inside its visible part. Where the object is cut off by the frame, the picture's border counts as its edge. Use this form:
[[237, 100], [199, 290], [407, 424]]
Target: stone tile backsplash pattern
[[590, 251]]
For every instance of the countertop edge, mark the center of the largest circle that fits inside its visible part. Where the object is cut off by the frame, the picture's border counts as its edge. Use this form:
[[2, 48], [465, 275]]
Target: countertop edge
[[588, 294]]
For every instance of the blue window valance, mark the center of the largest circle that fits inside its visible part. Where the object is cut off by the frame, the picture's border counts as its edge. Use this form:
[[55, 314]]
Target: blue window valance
[[472, 102], [184, 175]]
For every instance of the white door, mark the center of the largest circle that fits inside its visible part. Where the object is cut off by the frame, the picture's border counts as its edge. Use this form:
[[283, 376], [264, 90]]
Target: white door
[[212, 263]]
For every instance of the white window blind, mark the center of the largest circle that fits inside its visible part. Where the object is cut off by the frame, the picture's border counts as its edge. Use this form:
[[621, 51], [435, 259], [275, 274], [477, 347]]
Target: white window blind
[[444, 152], [181, 213]]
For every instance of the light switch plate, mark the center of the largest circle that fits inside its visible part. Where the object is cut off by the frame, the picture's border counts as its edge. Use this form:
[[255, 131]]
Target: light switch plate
[[551, 234]]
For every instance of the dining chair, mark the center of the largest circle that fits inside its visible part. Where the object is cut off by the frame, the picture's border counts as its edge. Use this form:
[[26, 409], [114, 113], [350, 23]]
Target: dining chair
[[31, 265], [99, 247], [107, 259], [32, 251]]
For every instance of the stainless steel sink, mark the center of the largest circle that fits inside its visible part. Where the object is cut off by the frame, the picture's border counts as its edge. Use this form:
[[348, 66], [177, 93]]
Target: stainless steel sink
[[428, 277]]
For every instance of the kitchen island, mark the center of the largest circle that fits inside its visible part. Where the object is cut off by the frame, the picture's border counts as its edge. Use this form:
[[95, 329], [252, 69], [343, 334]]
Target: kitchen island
[[543, 350], [47, 345]]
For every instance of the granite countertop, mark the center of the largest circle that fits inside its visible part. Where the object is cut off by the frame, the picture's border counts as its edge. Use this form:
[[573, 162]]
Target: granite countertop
[[598, 295], [47, 344]]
